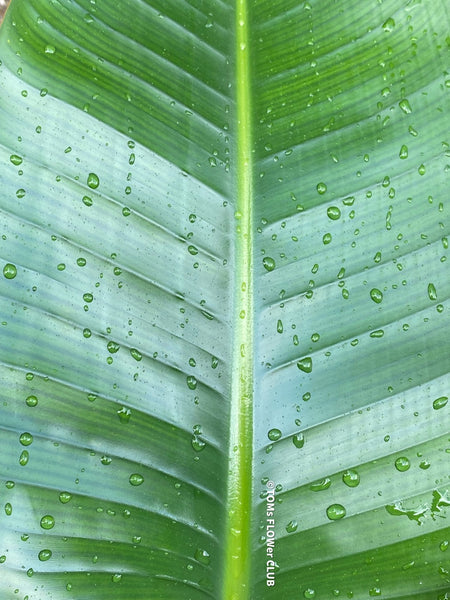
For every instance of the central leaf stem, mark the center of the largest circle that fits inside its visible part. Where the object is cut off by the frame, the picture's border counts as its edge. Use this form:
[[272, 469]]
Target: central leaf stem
[[238, 548]]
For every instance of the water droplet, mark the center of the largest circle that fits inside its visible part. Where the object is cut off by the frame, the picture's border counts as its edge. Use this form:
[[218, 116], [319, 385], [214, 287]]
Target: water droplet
[[47, 522], [274, 434], [192, 250], [49, 49], [20, 193], [31, 401], [321, 188], [135, 354], [443, 546], [421, 169], [424, 464], [8, 509], [191, 382], [197, 443], [305, 364], [16, 159], [291, 526], [405, 106], [268, 263], [93, 181], [10, 485], [402, 464], [351, 478], [65, 497], [116, 578], [403, 152], [298, 440], [136, 479], [326, 239], [309, 593], [432, 294], [81, 262], [9, 271], [321, 485], [106, 460], [113, 347], [87, 200], [440, 402], [333, 213], [45, 555], [375, 591], [376, 295], [280, 326], [88, 297], [335, 512], [388, 25], [26, 439], [202, 556], [24, 458], [124, 414]]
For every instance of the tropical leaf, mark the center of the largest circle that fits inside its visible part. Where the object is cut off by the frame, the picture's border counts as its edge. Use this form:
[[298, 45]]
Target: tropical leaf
[[225, 299]]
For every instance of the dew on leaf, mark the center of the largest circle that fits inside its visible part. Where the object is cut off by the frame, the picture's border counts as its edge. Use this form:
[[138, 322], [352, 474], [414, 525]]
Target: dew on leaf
[[376, 295], [305, 364], [8, 509], [274, 434], [136, 479], [333, 213], [375, 591], [24, 458], [309, 593], [335, 512], [16, 159], [93, 181], [87, 201], [319, 486], [202, 556], [403, 152], [136, 354], [116, 578], [298, 439], [65, 497], [124, 414], [45, 555], [388, 25], [191, 382], [268, 263], [26, 439], [9, 271], [440, 402], [113, 347], [402, 464], [405, 106], [291, 526], [31, 401], [326, 239], [351, 478], [197, 443], [432, 294], [47, 522], [321, 188], [88, 297], [421, 169]]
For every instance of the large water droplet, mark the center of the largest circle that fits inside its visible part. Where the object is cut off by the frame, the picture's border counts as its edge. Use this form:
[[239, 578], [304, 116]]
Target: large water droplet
[[305, 364], [93, 181], [351, 478], [376, 295], [268, 263], [274, 434], [135, 354], [31, 401], [333, 213], [16, 160], [402, 464], [298, 440], [321, 188], [136, 479], [321, 485], [45, 555], [113, 347], [335, 512], [65, 497], [9, 271], [47, 522], [440, 402], [26, 439]]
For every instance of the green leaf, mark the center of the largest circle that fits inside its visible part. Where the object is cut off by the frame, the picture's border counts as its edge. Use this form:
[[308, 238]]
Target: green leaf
[[224, 301]]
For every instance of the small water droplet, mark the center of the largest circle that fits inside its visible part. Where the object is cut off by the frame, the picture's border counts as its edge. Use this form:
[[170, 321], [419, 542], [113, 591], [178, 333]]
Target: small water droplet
[[402, 464], [403, 152], [268, 263], [298, 440], [274, 434], [432, 294], [202, 556], [333, 213], [440, 402], [421, 169], [388, 25], [113, 347], [45, 555], [136, 479], [376, 295], [49, 49], [65, 497], [291, 526], [93, 181], [191, 382], [375, 591], [321, 188], [405, 106], [197, 443], [47, 522], [305, 364], [321, 485], [88, 297], [116, 578], [8, 509], [87, 201], [24, 458], [16, 159], [136, 354], [351, 478], [124, 414], [309, 593], [9, 271], [26, 439], [31, 401], [335, 512]]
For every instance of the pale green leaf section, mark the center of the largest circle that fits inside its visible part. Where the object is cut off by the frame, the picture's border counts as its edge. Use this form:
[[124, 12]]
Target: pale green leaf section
[[224, 299]]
